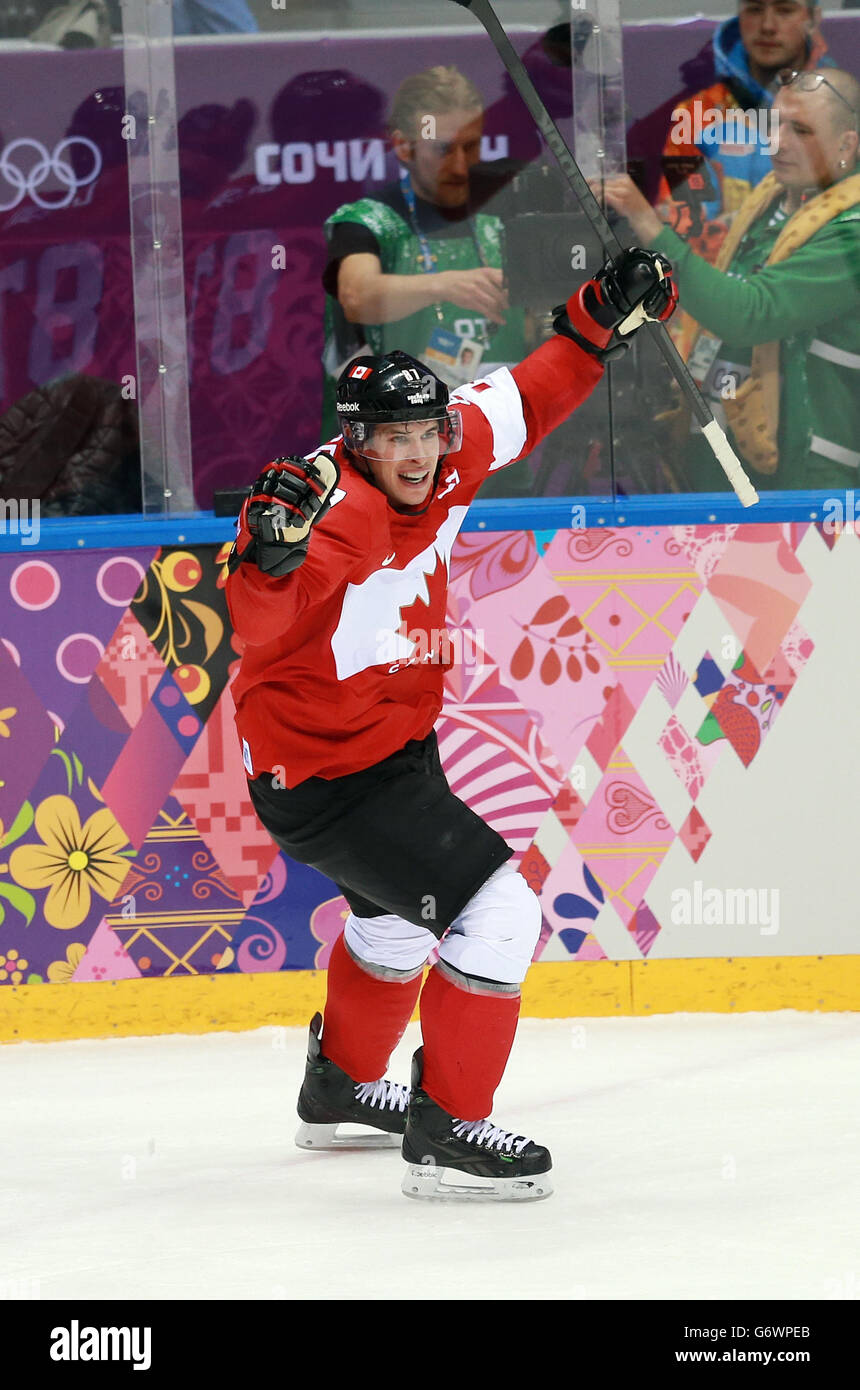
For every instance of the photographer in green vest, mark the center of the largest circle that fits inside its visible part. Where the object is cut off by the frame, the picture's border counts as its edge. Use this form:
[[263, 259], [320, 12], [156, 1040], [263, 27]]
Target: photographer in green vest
[[416, 267]]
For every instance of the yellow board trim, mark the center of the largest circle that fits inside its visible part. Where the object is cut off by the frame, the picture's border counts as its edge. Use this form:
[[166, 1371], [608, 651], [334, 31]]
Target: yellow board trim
[[236, 1002]]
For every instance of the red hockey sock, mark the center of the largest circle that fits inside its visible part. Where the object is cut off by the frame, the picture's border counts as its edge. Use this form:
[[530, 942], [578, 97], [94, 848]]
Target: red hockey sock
[[365, 1017], [467, 1041]]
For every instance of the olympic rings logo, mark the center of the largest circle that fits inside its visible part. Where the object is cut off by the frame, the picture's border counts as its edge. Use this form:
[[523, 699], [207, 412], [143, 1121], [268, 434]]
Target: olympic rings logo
[[28, 182]]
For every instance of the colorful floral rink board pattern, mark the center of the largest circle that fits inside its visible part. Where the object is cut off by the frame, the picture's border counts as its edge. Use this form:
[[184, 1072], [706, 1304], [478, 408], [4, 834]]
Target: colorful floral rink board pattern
[[614, 701]]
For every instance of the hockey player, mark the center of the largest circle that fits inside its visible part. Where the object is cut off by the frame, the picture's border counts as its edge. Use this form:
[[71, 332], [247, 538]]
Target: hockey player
[[340, 564]]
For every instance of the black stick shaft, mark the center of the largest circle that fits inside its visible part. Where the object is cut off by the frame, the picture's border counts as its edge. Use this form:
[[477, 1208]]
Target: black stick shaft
[[484, 11]]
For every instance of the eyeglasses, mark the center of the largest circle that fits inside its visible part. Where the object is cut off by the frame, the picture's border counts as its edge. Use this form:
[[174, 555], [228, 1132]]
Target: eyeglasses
[[810, 82]]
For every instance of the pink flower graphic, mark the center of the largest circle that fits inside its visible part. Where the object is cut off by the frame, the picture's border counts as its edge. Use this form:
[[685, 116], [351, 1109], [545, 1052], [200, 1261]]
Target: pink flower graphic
[[327, 923]]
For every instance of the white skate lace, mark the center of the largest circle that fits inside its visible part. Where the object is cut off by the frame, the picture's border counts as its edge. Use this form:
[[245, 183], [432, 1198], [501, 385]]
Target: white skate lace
[[489, 1136], [383, 1095]]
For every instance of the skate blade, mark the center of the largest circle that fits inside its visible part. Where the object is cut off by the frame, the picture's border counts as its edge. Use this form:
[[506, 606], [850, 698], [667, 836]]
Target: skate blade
[[327, 1137], [426, 1183]]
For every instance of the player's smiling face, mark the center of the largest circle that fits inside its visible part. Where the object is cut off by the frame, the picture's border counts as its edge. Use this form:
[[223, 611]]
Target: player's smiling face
[[403, 457]]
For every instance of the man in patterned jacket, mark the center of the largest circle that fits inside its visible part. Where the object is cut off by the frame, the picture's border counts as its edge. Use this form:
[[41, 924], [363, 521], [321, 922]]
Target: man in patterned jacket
[[721, 136], [340, 565]]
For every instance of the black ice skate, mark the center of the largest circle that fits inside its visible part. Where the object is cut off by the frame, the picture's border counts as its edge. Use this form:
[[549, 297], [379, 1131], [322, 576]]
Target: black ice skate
[[506, 1167], [329, 1098]]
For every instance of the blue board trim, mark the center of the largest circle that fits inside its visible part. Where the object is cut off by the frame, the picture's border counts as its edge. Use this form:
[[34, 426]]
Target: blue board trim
[[503, 514]]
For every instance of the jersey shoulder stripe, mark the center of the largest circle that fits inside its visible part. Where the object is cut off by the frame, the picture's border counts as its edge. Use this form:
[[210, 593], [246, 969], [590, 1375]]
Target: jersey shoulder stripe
[[499, 401]]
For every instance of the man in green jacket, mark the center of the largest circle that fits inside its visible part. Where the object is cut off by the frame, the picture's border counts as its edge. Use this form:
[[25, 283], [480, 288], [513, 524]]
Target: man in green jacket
[[775, 345]]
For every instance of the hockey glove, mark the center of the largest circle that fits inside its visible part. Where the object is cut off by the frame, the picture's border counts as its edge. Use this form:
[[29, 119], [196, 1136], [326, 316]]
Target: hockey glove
[[603, 315], [288, 498]]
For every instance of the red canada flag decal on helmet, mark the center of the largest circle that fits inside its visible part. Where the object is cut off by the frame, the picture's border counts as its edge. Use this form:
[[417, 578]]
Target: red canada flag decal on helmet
[[360, 372]]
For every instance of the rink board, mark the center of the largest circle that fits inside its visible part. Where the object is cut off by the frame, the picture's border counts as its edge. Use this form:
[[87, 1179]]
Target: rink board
[[680, 793], [233, 1003]]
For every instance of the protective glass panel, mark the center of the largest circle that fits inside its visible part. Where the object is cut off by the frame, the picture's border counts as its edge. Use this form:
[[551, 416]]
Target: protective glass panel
[[190, 221], [314, 161], [156, 230], [68, 394]]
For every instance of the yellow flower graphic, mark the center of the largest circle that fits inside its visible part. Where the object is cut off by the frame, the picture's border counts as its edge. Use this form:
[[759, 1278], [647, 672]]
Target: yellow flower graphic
[[4, 727], [60, 972], [73, 861], [12, 967]]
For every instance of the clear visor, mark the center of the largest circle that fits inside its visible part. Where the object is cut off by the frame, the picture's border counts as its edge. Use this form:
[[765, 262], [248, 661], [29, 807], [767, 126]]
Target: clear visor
[[413, 439]]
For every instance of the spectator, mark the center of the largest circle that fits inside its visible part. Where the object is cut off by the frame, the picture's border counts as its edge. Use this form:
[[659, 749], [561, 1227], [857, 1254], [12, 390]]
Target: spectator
[[778, 349], [89, 25], [212, 17], [718, 162], [213, 144], [415, 267]]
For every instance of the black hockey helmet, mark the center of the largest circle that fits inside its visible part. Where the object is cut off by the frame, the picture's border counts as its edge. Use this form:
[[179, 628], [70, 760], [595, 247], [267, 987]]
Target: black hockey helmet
[[384, 390]]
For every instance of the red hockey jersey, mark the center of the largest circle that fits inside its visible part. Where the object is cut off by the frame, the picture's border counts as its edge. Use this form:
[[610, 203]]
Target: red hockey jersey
[[346, 655]]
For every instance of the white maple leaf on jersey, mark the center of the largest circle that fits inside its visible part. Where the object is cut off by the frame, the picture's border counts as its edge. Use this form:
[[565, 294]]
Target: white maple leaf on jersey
[[367, 632]]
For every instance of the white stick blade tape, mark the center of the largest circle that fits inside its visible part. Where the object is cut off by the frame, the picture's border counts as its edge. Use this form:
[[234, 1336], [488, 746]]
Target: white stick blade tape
[[730, 463]]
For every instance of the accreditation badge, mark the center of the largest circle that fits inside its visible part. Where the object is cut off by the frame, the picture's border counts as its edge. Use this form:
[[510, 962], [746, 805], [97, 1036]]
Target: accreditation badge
[[469, 359], [703, 357], [720, 385], [453, 358]]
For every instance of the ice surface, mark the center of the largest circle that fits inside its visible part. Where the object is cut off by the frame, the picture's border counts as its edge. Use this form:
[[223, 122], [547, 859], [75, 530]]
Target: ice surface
[[695, 1156]]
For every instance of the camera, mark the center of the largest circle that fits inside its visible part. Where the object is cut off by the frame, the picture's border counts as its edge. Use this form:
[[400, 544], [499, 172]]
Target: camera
[[550, 245]]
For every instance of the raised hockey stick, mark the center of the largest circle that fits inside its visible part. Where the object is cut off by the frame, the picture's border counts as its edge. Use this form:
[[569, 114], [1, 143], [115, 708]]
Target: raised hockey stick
[[713, 432]]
